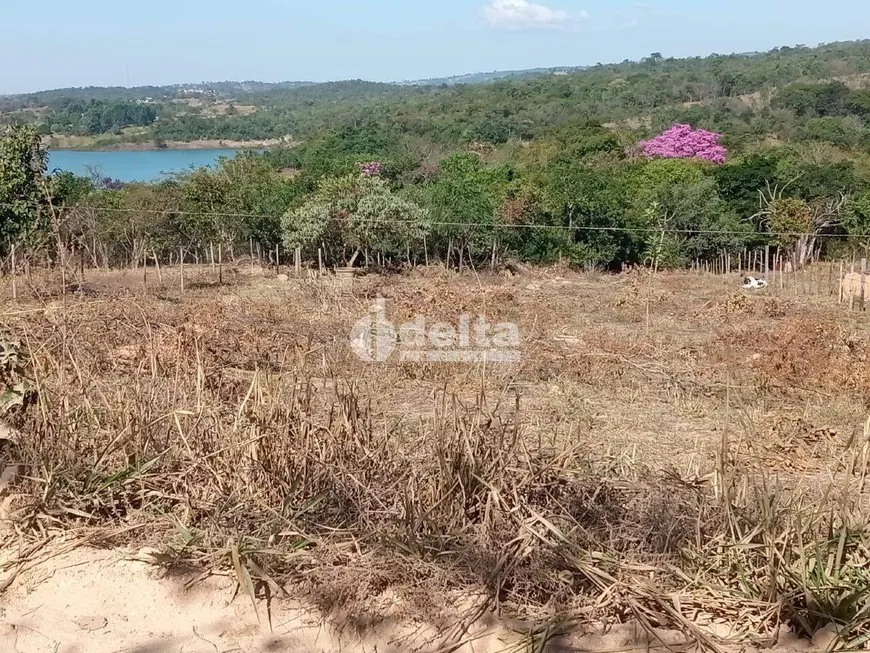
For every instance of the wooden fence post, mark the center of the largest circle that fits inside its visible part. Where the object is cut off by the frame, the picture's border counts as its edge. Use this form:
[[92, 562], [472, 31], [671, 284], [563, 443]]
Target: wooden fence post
[[772, 281], [14, 272], [157, 265], [794, 276], [863, 280], [320, 260], [852, 290], [220, 264], [297, 260], [840, 293], [181, 261], [781, 272], [767, 260]]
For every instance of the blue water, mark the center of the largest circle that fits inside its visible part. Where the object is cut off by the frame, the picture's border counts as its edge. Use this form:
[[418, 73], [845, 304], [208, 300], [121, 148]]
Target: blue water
[[150, 165]]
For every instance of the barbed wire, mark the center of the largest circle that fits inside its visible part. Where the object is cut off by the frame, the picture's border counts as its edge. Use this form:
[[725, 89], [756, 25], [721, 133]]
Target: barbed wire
[[493, 225]]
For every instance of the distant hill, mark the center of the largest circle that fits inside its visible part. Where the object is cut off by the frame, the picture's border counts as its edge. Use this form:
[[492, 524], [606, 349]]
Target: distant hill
[[234, 89], [819, 94], [122, 93], [496, 75]]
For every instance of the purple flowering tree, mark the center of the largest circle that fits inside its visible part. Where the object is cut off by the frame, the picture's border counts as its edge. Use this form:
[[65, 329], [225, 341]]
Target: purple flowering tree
[[371, 169], [683, 142]]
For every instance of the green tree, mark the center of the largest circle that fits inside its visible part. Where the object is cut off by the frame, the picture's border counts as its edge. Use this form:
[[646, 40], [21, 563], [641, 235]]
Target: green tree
[[858, 103], [101, 117], [591, 201], [847, 133], [206, 207], [827, 99], [258, 195], [677, 203], [355, 214], [856, 222], [800, 222], [68, 189], [789, 217], [740, 181], [462, 204], [22, 183], [385, 221]]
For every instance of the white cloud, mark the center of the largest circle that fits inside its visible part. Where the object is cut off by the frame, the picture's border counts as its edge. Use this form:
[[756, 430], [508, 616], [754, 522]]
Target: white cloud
[[641, 5], [522, 14]]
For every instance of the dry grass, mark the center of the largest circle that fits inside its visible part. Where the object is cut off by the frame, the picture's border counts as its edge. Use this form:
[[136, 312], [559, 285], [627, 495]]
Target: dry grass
[[222, 108], [674, 451]]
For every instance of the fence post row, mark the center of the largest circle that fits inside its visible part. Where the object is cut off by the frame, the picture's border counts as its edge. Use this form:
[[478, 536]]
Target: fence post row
[[770, 260]]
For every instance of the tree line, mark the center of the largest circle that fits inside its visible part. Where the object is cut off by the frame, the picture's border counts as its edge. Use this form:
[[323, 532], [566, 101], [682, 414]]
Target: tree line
[[99, 117], [361, 197]]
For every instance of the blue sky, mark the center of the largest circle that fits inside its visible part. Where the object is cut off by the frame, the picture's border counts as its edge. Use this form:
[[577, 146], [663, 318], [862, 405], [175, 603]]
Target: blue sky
[[59, 43]]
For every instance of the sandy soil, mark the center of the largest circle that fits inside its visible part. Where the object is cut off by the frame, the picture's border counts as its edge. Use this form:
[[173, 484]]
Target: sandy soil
[[99, 601], [105, 602]]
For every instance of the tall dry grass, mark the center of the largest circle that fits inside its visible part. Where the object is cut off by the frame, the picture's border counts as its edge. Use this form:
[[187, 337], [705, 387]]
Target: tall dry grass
[[235, 441]]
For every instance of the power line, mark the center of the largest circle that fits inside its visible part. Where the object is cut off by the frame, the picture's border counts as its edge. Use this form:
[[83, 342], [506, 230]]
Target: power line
[[506, 225]]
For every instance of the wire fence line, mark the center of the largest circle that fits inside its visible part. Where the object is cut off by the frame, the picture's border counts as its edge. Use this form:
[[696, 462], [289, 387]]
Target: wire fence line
[[836, 282], [496, 224]]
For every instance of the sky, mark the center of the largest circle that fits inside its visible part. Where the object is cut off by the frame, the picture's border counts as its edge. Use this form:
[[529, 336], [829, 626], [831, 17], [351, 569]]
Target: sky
[[63, 43]]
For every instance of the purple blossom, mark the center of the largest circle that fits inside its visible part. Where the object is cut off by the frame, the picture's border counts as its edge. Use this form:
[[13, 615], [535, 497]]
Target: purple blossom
[[372, 169], [683, 142]]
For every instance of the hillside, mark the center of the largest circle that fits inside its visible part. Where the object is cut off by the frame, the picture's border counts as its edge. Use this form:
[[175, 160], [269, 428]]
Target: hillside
[[730, 93]]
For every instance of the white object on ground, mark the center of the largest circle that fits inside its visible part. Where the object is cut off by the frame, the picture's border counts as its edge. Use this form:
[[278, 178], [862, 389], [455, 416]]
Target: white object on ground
[[751, 283]]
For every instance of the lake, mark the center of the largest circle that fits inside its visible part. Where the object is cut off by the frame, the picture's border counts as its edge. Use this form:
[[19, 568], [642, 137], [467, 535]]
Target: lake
[[143, 165]]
